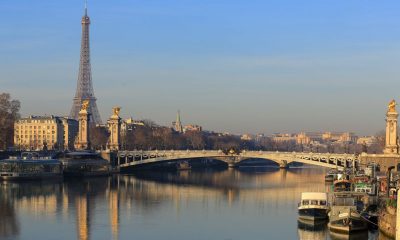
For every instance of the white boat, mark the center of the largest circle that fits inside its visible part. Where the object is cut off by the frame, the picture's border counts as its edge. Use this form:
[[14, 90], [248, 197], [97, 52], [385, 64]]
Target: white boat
[[313, 206]]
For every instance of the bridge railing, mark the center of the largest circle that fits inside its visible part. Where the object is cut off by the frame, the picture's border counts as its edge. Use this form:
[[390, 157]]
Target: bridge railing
[[332, 159]]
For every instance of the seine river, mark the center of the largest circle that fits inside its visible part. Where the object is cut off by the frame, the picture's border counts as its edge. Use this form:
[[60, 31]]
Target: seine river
[[246, 203]]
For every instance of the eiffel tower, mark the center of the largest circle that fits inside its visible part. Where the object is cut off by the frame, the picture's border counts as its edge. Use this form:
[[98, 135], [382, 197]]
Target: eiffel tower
[[84, 88]]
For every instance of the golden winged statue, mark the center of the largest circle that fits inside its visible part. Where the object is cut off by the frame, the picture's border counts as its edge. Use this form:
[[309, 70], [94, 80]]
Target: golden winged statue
[[116, 110], [392, 106], [85, 105]]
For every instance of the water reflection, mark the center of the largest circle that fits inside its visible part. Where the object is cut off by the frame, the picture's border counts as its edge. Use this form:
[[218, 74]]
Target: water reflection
[[312, 230], [227, 204], [8, 221]]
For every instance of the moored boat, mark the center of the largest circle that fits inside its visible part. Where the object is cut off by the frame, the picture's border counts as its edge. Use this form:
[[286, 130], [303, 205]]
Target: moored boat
[[342, 185], [331, 175], [30, 166], [84, 164], [344, 217], [313, 206], [364, 188]]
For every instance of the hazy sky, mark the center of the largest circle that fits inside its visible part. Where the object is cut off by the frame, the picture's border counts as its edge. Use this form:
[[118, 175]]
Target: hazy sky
[[240, 66]]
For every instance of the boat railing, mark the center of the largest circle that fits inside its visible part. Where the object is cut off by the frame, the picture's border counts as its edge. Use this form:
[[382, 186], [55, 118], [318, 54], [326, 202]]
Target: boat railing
[[32, 156], [319, 203]]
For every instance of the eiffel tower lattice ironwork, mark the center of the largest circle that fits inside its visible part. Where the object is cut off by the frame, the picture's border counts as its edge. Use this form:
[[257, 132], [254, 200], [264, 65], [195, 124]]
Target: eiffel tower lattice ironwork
[[84, 89]]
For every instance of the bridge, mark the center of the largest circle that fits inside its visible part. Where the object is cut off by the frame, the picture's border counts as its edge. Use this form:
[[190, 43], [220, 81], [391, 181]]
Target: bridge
[[127, 159]]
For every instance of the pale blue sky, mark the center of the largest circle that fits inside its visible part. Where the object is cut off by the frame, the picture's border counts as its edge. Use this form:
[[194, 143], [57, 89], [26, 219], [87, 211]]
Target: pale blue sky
[[238, 66]]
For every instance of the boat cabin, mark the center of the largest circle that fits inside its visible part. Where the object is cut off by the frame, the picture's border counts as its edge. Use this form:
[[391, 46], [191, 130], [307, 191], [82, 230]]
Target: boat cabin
[[342, 186], [314, 199]]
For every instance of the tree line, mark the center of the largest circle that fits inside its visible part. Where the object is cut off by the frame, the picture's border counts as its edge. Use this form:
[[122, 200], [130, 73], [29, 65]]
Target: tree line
[[9, 113], [152, 136]]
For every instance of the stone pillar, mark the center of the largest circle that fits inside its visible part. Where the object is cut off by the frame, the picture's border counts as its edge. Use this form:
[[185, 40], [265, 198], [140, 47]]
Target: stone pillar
[[283, 164], [114, 127], [231, 165], [391, 144], [82, 141]]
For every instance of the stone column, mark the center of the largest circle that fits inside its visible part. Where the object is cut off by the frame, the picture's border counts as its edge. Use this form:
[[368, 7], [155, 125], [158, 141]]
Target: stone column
[[391, 144], [283, 164], [83, 142], [114, 127]]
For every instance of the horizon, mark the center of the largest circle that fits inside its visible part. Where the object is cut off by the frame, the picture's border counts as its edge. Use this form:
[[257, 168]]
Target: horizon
[[285, 79]]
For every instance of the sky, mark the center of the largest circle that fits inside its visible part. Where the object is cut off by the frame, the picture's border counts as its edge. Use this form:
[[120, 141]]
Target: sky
[[228, 65]]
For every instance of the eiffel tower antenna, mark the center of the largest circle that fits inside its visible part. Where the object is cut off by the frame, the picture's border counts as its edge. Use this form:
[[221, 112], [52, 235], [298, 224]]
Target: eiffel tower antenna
[[84, 88]]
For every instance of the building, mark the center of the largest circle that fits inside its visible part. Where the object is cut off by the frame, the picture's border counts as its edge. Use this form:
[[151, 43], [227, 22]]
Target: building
[[367, 140], [246, 137], [303, 139], [177, 125], [40, 132], [192, 128], [283, 137], [71, 127], [129, 124], [341, 137]]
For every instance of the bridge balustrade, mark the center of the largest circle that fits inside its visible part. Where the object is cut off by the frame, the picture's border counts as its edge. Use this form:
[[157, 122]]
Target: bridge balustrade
[[127, 158]]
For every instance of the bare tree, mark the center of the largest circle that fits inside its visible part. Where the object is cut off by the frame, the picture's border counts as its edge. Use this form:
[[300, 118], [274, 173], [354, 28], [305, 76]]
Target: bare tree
[[98, 137], [380, 143], [9, 113], [195, 140]]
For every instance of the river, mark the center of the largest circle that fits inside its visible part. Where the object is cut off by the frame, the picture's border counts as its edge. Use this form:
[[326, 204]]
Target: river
[[245, 203]]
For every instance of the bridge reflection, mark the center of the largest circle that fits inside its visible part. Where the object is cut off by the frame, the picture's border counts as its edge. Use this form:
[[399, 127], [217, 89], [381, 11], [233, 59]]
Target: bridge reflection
[[102, 201]]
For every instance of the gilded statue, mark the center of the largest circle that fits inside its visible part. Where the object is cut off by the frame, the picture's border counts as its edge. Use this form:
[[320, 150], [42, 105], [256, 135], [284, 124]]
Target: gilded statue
[[392, 106], [85, 105], [116, 110]]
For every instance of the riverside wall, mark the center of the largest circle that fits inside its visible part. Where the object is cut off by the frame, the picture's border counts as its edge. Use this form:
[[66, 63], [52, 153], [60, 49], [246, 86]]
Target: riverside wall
[[384, 160]]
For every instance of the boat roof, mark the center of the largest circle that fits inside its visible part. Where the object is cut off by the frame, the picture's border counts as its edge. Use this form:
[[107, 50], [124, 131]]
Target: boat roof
[[341, 181], [29, 161], [81, 153], [314, 195]]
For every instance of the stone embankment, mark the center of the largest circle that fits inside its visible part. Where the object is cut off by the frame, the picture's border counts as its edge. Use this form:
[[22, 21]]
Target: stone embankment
[[387, 222]]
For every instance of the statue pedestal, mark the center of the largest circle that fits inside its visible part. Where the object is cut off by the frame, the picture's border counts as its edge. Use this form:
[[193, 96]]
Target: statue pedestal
[[391, 144], [82, 142], [114, 127]]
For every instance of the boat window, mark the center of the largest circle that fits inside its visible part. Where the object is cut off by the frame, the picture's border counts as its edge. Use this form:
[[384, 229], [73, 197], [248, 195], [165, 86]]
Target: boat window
[[314, 202], [5, 167], [322, 202], [305, 202], [86, 156], [19, 167]]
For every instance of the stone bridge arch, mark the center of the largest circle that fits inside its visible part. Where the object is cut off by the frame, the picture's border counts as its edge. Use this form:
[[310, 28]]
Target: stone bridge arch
[[136, 158]]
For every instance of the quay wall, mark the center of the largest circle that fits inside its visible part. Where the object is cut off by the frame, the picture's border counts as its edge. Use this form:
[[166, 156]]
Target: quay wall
[[387, 222], [384, 160], [110, 156]]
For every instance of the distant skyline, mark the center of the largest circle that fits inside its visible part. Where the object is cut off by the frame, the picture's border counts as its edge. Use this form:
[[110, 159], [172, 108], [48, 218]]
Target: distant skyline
[[235, 66]]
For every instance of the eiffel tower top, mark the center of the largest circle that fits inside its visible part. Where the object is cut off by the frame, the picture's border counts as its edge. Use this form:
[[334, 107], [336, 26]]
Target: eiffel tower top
[[85, 18], [84, 89]]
